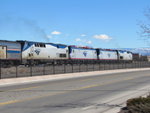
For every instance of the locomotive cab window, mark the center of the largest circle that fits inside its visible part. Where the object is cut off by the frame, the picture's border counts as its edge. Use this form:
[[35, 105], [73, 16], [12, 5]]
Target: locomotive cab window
[[40, 45], [36, 45]]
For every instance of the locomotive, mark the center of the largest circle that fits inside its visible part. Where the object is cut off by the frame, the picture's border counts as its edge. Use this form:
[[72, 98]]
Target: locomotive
[[22, 52]]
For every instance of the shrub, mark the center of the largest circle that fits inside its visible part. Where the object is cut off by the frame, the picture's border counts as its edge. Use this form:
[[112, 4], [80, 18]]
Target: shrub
[[139, 105]]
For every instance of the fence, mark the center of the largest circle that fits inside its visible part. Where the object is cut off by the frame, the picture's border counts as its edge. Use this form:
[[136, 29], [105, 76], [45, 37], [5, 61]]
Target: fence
[[47, 69]]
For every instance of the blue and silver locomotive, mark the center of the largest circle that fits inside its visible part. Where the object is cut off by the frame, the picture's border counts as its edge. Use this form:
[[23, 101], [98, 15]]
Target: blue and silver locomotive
[[22, 52]]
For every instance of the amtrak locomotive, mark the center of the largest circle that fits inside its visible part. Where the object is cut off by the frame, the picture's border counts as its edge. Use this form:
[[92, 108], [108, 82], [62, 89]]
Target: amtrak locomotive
[[22, 52]]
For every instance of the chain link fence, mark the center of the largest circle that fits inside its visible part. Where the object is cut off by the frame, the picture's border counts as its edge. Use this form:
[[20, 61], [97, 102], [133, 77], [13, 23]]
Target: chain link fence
[[51, 69]]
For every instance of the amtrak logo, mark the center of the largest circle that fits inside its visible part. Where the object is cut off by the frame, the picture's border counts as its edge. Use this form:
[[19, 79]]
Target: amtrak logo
[[85, 53], [37, 51], [109, 55]]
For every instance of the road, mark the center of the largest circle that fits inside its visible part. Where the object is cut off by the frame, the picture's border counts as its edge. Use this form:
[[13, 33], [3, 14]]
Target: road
[[92, 94]]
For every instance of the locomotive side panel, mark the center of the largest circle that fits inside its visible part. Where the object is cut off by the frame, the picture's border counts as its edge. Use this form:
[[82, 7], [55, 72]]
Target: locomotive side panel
[[125, 55], [107, 55], [44, 51], [82, 53], [50, 51]]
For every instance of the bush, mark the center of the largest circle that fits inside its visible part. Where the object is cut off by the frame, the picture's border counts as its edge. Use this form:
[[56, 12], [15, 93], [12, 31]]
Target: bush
[[139, 105]]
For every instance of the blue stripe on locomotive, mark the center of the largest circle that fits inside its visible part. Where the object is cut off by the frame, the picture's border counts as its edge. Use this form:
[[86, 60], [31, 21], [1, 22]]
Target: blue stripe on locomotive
[[10, 51]]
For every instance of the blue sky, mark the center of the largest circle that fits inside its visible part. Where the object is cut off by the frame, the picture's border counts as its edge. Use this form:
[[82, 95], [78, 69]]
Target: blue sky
[[95, 23]]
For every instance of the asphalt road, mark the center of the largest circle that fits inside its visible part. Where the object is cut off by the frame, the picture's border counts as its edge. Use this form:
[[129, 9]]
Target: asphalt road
[[85, 94]]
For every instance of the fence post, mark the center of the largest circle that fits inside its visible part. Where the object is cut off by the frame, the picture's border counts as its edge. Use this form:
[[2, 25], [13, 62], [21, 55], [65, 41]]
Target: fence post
[[86, 66], [0, 69], [112, 65], [99, 65], [122, 64], [44, 69], [72, 67], [30, 67], [146, 64], [16, 71], [141, 63], [138, 64], [125, 64], [135, 65], [53, 66], [93, 65], [109, 65], [104, 64], [79, 67], [132, 64], [64, 67], [118, 64]]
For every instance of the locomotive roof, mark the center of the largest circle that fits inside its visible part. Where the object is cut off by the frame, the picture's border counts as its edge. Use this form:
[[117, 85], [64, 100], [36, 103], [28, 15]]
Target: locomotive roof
[[125, 51], [40, 42], [8, 41], [106, 49], [80, 47]]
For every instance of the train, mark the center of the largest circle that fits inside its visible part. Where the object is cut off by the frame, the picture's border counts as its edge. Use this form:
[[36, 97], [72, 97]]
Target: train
[[23, 52]]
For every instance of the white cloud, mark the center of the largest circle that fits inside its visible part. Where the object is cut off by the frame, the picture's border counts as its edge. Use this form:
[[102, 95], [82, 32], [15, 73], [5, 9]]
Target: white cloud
[[49, 36], [83, 41], [55, 33], [78, 40], [102, 37], [83, 35], [89, 42]]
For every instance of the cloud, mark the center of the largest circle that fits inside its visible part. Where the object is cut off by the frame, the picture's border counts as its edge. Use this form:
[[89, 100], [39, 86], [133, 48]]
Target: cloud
[[89, 42], [55, 33], [78, 39], [49, 36], [83, 41], [102, 37], [83, 35]]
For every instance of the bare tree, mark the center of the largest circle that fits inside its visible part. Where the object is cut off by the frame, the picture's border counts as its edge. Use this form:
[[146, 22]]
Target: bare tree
[[145, 27]]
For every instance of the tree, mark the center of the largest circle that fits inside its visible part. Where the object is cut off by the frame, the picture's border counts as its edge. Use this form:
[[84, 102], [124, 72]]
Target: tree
[[145, 27]]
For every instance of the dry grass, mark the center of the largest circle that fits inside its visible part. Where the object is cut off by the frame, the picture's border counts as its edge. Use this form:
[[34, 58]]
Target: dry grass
[[137, 105]]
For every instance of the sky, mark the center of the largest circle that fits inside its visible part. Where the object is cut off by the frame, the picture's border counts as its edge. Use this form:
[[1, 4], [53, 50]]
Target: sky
[[93, 23]]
